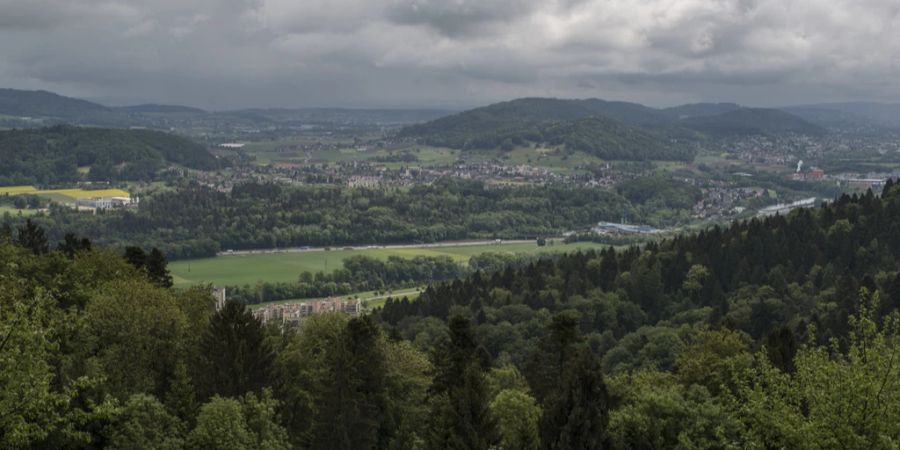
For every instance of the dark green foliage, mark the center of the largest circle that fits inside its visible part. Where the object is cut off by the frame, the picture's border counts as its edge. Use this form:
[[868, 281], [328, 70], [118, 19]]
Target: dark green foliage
[[608, 139], [236, 358], [157, 268], [460, 416], [154, 264], [145, 424], [352, 406], [547, 364], [33, 237], [663, 192], [6, 231], [576, 416], [781, 347], [136, 256], [52, 155], [71, 245]]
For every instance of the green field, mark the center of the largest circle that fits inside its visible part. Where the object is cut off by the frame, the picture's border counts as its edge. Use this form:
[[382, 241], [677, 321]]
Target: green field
[[15, 211], [281, 267]]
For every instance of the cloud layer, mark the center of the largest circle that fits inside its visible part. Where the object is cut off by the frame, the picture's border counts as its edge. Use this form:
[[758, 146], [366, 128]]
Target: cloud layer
[[236, 53]]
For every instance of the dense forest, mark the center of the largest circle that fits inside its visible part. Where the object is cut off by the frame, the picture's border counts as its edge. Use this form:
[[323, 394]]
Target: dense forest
[[198, 221], [780, 333], [55, 154]]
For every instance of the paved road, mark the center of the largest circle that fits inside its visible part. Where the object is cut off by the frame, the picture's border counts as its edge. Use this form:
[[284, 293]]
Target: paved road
[[369, 247]]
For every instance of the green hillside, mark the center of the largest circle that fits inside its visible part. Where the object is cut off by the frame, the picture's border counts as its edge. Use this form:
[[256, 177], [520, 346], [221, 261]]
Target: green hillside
[[606, 129], [54, 154], [747, 121], [14, 102], [610, 130]]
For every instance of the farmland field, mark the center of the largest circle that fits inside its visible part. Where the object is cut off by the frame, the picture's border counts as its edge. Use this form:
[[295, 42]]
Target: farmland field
[[63, 195], [282, 267]]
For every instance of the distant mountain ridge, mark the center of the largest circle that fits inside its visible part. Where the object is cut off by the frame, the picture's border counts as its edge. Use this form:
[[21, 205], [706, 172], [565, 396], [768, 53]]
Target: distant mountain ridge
[[20, 107], [15, 102], [156, 108], [849, 114], [654, 133], [749, 121]]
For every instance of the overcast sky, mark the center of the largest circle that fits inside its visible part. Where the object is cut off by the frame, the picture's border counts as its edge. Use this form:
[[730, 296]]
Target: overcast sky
[[451, 53]]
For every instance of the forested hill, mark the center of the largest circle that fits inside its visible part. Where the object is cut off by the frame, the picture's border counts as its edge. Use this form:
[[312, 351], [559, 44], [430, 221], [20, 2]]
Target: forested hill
[[615, 130], [16, 102], [606, 129], [750, 121], [54, 154]]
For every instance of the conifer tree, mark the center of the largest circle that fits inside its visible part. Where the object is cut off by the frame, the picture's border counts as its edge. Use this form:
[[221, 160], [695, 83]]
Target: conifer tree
[[157, 269], [236, 358], [460, 416], [33, 237]]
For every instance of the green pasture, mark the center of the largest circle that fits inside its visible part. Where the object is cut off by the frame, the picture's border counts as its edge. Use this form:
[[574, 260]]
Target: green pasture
[[16, 212], [282, 267]]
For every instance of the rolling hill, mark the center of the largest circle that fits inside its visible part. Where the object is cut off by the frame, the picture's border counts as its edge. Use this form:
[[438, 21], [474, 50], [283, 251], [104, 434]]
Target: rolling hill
[[701, 109], [615, 130], [54, 154], [851, 114], [748, 121], [605, 129], [14, 102]]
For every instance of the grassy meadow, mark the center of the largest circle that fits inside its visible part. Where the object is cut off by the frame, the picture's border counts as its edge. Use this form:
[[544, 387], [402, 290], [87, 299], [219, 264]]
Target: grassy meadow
[[240, 269]]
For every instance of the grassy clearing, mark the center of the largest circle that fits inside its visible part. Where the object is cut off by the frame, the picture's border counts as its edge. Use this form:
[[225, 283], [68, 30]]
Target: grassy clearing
[[284, 267], [15, 211]]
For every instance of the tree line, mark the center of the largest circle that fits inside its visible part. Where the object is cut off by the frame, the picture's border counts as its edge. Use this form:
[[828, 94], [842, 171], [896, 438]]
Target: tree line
[[197, 221]]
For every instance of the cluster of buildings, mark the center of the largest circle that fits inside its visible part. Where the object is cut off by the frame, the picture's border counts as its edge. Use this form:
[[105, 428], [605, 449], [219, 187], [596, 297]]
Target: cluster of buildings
[[101, 203], [784, 208], [293, 314], [622, 228]]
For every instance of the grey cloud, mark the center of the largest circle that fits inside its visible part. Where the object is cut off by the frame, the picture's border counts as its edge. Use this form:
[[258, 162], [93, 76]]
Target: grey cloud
[[459, 17], [235, 53]]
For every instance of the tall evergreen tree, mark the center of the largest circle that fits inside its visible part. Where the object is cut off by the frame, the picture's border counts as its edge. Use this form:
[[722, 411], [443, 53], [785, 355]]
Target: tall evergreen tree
[[576, 417], [136, 256], [460, 416], [157, 269], [236, 358], [352, 403], [33, 237], [547, 364]]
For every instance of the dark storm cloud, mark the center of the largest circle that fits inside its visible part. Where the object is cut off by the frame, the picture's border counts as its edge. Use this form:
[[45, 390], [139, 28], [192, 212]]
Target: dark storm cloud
[[234, 53]]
